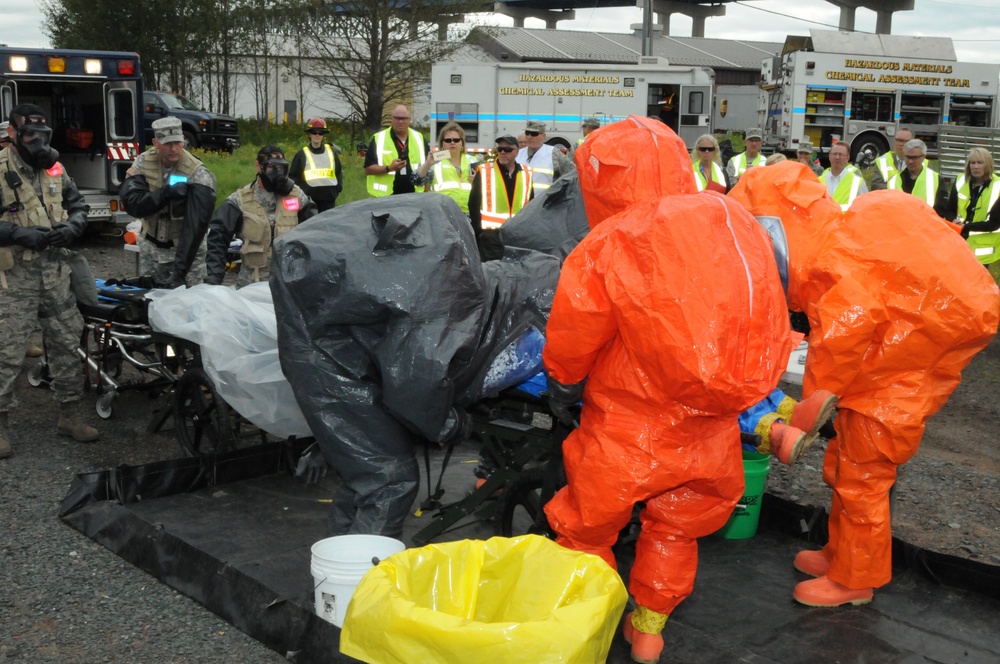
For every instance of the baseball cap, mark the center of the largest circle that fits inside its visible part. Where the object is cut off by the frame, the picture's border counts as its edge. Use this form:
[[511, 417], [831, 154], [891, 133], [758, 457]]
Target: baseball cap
[[508, 139], [168, 130], [754, 132]]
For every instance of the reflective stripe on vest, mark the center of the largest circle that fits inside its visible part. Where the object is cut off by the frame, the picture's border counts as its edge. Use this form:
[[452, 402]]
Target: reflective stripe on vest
[[717, 176], [990, 193], [495, 208], [385, 153], [741, 162], [453, 183], [886, 165], [322, 174], [924, 188], [847, 189]]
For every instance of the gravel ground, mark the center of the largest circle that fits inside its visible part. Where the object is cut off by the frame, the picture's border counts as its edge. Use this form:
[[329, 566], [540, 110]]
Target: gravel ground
[[66, 599]]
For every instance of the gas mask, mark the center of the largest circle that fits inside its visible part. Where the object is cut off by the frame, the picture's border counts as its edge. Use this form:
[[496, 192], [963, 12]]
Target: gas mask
[[779, 243], [33, 145], [274, 177]]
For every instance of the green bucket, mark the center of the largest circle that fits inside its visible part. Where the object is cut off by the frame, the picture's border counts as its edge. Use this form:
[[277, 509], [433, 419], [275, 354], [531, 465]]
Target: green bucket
[[743, 521]]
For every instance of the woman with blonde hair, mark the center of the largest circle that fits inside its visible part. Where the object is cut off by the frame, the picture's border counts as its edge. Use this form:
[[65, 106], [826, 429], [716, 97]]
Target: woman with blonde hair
[[707, 164], [775, 158], [450, 175], [974, 202]]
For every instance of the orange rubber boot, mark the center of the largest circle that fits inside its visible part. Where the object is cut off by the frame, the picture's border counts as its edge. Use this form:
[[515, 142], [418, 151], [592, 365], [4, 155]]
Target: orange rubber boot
[[788, 442], [826, 593], [813, 563], [813, 412], [646, 647]]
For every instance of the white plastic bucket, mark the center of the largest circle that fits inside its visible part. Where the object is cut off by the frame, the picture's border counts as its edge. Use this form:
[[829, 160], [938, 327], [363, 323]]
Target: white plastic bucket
[[338, 565]]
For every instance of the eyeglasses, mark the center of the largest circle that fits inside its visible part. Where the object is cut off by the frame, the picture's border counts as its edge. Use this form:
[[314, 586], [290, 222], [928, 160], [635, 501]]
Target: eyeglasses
[[532, 133], [451, 140], [704, 149], [399, 117], [502, 148]]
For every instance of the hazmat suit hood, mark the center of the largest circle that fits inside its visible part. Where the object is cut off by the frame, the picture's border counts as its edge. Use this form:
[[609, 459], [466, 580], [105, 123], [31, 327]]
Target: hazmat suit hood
[[629, 161], [807, 212]]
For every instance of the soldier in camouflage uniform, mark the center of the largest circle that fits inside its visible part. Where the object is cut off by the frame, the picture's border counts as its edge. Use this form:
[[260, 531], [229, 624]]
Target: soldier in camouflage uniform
[[256, 213], [174, 195], [42, 213]]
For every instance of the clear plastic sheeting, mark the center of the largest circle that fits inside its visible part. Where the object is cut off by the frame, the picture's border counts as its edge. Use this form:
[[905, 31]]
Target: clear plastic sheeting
[[237, 336], [523, 599]]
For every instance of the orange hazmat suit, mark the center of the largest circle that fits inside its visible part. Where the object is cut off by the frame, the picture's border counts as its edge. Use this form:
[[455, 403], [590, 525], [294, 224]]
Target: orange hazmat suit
[[672, 310], [897, 306]]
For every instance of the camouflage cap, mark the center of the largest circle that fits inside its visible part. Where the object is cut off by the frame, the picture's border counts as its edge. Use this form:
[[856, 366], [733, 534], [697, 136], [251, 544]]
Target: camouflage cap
[[591, 122], [168, 130], [754, 132], [535, 125]]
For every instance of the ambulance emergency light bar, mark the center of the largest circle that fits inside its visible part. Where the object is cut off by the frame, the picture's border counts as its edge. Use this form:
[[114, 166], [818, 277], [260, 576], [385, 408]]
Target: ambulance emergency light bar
[[57, 65]]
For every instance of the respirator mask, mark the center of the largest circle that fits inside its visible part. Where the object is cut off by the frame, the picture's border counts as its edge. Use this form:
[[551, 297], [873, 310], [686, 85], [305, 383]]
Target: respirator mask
[[274, 177], [33, 144]]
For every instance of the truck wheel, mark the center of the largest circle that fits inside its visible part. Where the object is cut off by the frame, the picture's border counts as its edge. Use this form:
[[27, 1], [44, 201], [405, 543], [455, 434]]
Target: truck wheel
[[866, 148], [190, 141]]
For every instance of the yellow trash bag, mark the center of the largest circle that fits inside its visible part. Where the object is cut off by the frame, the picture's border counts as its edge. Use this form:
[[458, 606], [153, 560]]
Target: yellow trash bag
[[522, 599]]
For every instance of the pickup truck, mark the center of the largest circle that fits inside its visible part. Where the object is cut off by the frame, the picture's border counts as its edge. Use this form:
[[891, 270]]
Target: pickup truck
[[202, 128]]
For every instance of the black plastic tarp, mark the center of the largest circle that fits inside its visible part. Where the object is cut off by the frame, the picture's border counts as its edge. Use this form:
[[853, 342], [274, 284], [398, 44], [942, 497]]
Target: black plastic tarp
[[552, 223]]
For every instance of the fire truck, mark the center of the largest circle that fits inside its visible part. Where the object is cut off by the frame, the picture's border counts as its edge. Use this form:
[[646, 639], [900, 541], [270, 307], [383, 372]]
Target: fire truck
[[93, 101], [860, 88], [490, 100]]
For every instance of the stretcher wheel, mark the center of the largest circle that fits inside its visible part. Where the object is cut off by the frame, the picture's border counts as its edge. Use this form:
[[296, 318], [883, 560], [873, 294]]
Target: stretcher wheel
[[202, 418], [38, 375], [519, 511], [106, 405]]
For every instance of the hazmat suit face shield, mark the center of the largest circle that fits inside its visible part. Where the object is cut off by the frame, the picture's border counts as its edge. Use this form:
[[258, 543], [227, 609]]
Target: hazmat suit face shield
[[274, 177], [779, 244], [34, 145]]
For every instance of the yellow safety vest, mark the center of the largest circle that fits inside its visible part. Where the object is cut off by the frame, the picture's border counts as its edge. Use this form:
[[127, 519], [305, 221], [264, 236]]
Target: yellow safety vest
[[925, 188], [741, 162], [453, 183], [385, 153], [165, 225], [324, 174], [717, 175], [886, 165], [848, 187], [257, 232], [495, 209], [985, 246]]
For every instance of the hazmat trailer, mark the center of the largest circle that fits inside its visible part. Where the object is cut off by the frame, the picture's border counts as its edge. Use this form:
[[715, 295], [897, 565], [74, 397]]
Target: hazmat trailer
[[492, 100], [861, 88], [93, 101]]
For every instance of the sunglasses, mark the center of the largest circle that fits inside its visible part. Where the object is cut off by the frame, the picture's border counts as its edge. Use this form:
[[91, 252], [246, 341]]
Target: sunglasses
[[704, 149], [501, 148], [396, 117], [451, 140], [316, 132], [532, 133]]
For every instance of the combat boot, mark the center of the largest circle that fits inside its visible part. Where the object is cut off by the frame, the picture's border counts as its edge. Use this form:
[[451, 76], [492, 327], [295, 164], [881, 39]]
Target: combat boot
[[5, 449], [71, 425]]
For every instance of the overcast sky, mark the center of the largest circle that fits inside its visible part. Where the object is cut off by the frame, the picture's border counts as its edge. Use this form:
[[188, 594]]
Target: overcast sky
[[974, 25]]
